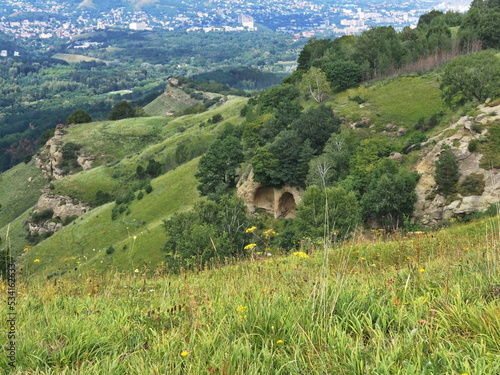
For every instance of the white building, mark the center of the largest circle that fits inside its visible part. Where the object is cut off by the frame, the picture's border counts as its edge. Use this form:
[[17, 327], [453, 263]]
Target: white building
[[139, 26], [246, 21]]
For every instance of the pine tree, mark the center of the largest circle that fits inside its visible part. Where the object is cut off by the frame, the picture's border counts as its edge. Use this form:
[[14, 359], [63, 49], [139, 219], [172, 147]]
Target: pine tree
[[447, 172]]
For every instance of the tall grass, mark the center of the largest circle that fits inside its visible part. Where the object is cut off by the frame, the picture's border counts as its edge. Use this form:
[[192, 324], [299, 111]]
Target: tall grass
[[425, 304]]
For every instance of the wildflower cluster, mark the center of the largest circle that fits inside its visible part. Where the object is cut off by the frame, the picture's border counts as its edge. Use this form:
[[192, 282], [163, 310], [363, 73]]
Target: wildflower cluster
[[242, 311], [264, 239], [301, 254]]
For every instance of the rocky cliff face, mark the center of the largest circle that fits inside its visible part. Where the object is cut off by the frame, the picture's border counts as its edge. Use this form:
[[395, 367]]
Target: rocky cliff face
[[51, 156], [61, 206], [280, 202], [432, 207]]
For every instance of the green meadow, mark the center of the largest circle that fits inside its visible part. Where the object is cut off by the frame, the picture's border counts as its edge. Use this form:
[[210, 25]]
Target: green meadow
[[425, 303]]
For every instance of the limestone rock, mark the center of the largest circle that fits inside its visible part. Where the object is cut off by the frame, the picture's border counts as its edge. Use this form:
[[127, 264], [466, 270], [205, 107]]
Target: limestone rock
[[50, 156], [402, 131], [62, 206], [396, 156], [432, 207], [86, 162], [280, 202]]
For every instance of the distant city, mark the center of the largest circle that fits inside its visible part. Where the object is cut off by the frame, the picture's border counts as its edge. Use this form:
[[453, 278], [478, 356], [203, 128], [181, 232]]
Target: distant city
[[45, 20]]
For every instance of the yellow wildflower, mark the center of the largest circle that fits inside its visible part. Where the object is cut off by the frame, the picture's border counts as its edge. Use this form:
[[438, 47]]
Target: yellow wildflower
[[301, 254], [279, 342], [250, 246], [270, 232], [241, 309], [421, 270], [37, 261], [251, 229], [184, 353]]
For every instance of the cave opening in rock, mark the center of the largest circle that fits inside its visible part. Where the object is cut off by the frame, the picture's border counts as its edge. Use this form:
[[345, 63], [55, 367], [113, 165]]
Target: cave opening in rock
[[264, 198], [287, 206]]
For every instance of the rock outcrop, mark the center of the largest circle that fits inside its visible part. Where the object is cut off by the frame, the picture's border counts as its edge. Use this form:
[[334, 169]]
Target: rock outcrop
[[61, 207], [50, 156], [280, 202], [432, 207]]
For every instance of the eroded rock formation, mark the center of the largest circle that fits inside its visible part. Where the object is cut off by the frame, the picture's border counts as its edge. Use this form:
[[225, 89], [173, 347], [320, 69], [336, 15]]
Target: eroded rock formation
[[432, 207], [61, 207], [280, 202]]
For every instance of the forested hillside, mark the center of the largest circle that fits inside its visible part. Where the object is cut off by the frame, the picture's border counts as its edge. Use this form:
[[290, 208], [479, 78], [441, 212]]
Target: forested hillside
[[39, 90]]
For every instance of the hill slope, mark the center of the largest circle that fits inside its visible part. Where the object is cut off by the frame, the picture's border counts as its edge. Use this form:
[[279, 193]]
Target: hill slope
[[423, 304]]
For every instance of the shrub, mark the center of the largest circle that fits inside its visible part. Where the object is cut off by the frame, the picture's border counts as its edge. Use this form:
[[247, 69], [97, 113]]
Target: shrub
[[110, 250], [154, 168], [27, 158], [476, 128], [472, 146], [78, 117], [216, 118], [41, 216], [102, 197], [148, 188], [69, 219], [473, 184], [125, 198], [358, 99], [140, 195]]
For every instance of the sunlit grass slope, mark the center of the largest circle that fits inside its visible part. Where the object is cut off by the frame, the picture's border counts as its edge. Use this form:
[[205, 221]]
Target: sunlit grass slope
[[137, 237], [401, 101], [17, 193], [425, 304], [120, 146]]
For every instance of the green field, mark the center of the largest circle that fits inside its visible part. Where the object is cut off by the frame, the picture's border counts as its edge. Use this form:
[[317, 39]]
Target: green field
[[401, 101], [73, 59]]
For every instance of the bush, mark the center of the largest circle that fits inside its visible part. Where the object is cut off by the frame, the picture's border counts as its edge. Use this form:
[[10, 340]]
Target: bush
[[125, 198], [42, 216], [473, 184], [148, 188], [110, 250], [140, 195], [343, 211], [122, 110], [102, 197], [69, 219], [358, 99], [472, 146], [215, 119], [78, 117], [154, 168]]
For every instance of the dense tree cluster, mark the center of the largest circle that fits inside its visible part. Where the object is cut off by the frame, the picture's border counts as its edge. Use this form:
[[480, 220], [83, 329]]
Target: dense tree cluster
[[348, 60], [210, 232]]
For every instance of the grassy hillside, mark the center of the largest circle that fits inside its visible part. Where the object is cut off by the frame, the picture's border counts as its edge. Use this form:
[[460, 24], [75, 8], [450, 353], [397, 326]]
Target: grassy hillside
[[17, 193], [73, 59], [137, 237], [175, 101], [423, 304], [119, 147], [402, 101]]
